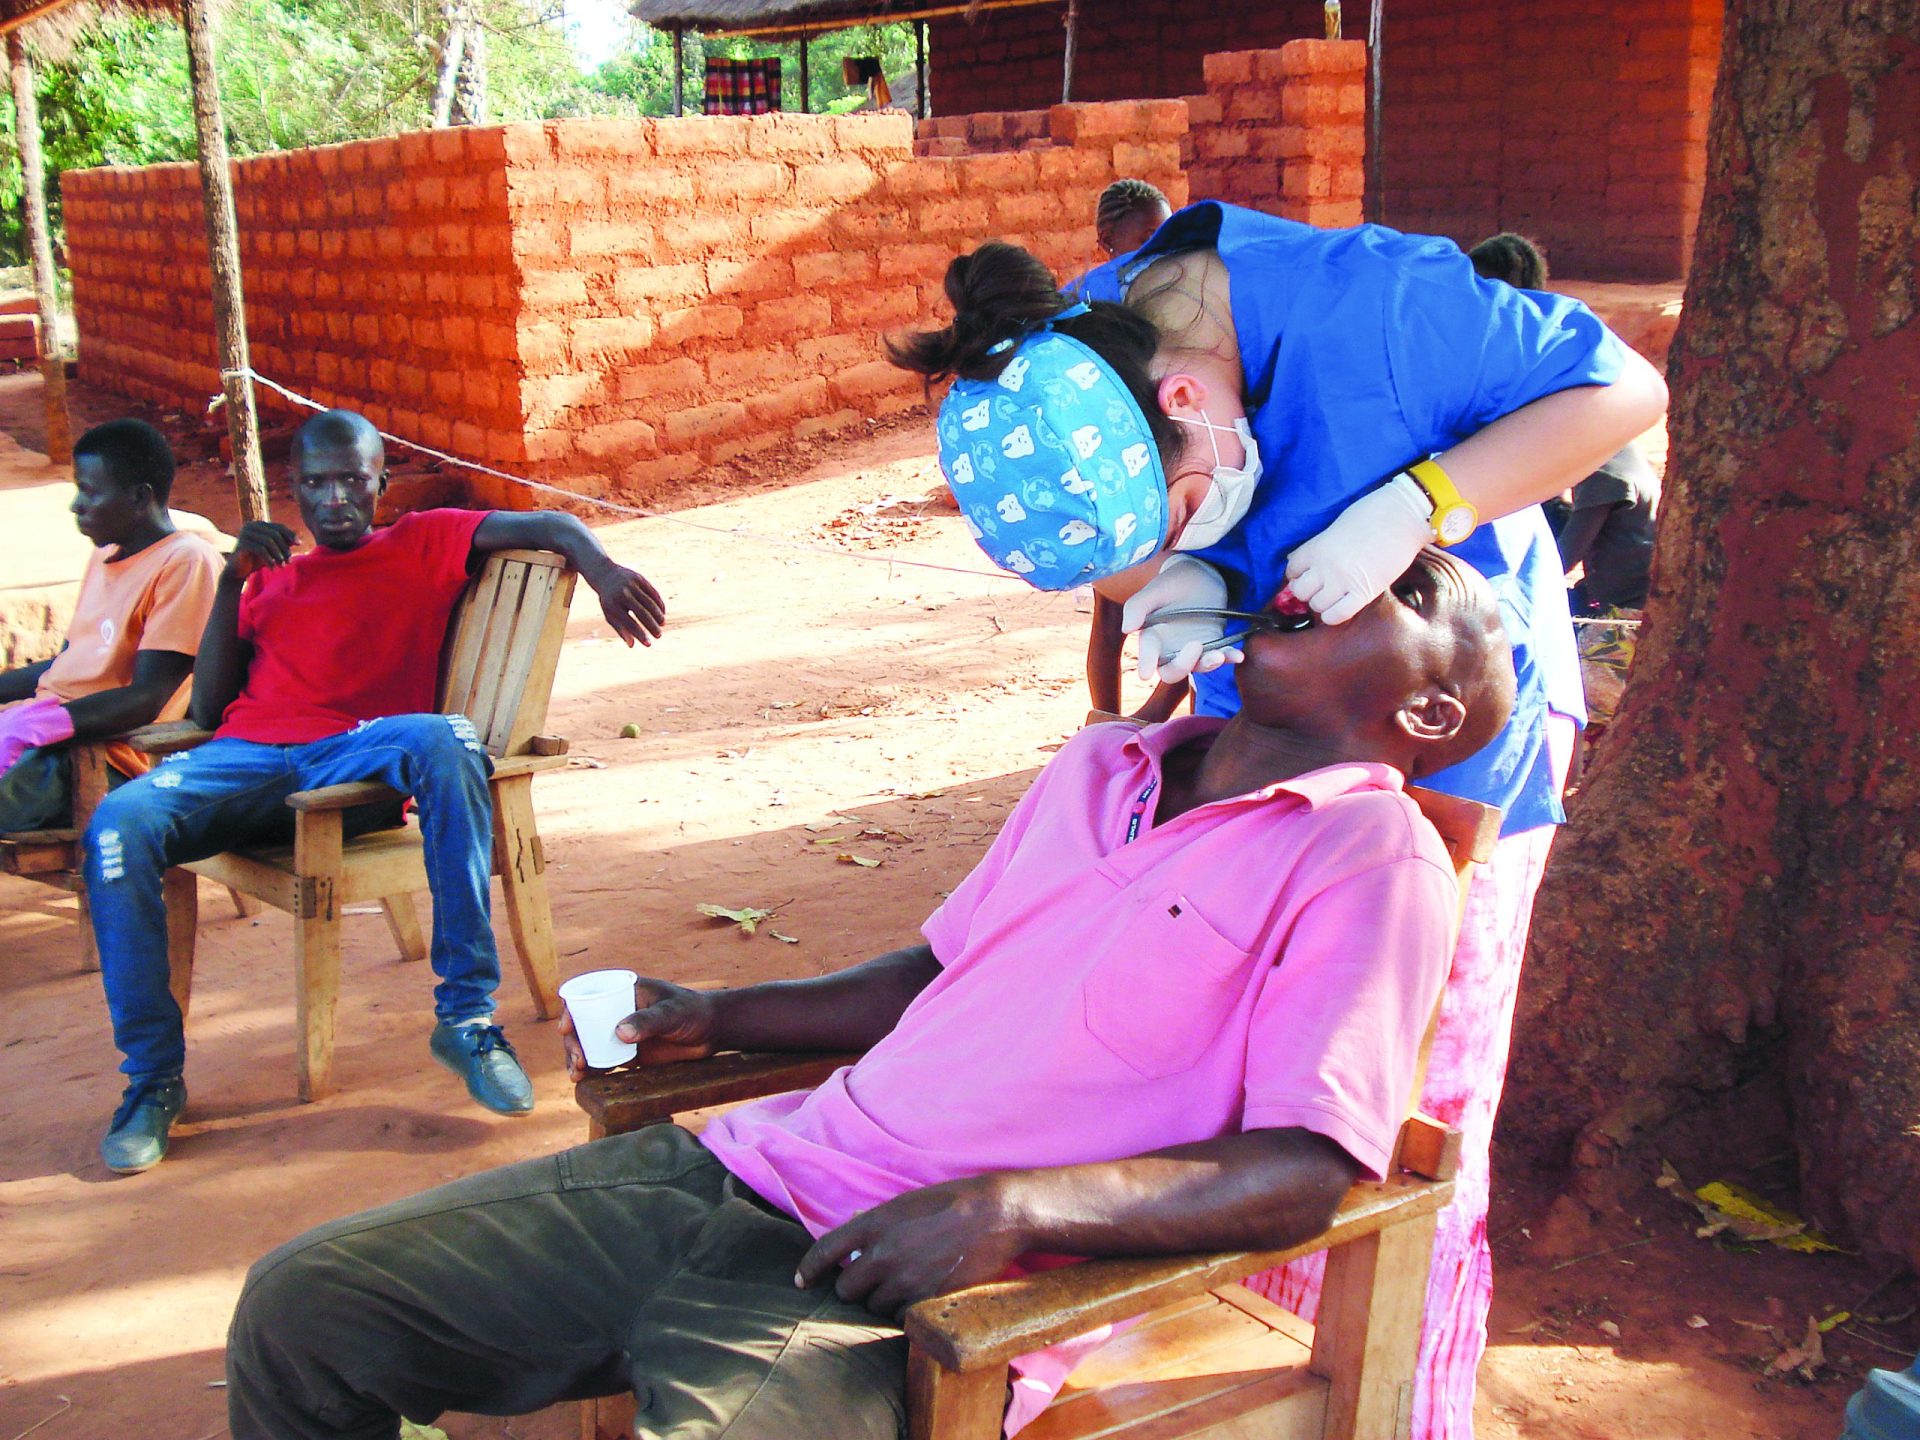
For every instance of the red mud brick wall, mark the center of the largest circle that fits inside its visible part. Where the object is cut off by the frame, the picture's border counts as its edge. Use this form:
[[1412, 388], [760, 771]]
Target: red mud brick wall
[[1283, 131], [1124, 50], [700, 290], [378, 275], [1581, 125]]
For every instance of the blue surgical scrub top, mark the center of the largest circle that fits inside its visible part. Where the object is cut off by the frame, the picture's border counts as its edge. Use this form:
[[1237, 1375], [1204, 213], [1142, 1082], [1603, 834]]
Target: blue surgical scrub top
[[1366, 350], [1102, 282]]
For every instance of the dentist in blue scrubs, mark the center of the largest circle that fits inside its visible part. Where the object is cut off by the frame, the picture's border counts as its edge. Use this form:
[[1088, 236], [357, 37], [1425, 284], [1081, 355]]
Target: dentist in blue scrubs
[[1280, 413]]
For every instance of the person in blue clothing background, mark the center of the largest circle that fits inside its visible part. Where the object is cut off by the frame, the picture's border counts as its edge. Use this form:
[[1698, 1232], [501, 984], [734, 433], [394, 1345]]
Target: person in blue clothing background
[[1293, 413]]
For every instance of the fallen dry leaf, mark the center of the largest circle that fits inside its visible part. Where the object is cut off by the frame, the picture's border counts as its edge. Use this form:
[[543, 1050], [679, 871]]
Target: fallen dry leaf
[[1806, 1358], [1696, 1322], [847, 858], [784, 939], [747, 917], [1609, 1329]]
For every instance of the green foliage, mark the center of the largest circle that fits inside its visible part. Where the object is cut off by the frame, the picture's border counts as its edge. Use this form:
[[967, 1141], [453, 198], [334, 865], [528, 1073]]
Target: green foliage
[[314, 72]]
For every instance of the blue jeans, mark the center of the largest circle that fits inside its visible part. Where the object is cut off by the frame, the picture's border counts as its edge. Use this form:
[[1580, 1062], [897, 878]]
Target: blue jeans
[[234, 792]]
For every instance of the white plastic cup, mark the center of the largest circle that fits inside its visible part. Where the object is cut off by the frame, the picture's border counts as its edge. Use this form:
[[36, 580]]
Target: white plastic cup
[[598, 1001]]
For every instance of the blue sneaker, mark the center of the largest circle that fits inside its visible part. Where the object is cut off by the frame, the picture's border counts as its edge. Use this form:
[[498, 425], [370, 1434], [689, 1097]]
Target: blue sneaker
[[136, 1140], [479, 1053]]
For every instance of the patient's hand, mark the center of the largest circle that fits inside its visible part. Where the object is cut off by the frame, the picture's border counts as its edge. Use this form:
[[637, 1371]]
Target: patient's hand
[[925, 1242], [672, 1023]]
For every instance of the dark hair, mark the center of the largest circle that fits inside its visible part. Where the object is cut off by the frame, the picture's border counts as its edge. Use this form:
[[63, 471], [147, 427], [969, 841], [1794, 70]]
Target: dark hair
[[343, 429], [1001, 292], [133, 452], [1512, 258], [1123, 198]]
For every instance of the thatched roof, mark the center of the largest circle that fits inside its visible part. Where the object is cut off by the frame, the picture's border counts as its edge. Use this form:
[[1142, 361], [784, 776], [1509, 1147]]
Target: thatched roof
[[787, 18], [51, 27]]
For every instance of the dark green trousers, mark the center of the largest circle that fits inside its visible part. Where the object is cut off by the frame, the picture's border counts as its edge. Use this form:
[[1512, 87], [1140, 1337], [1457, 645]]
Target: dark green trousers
[[636, 1262]]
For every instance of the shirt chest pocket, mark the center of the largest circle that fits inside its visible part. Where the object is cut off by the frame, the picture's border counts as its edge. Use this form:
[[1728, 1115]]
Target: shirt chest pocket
[[1159, 1000]]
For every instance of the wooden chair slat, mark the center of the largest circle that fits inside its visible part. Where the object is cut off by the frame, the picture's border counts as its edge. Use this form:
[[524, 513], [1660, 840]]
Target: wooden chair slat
[[532, 674], [496, 626], [468, 641]]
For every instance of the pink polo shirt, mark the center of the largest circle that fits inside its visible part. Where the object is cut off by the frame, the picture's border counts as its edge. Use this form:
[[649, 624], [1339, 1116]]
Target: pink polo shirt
[[1265, 961]]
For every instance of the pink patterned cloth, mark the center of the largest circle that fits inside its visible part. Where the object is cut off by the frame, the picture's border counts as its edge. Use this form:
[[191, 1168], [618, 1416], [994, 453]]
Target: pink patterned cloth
[[1464, 1079]]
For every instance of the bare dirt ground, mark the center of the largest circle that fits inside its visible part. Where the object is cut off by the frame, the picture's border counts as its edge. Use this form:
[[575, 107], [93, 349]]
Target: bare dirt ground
[[810, 703]]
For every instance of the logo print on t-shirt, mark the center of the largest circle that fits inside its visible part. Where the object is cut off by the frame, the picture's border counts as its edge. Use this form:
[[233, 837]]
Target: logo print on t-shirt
[[108, 629]]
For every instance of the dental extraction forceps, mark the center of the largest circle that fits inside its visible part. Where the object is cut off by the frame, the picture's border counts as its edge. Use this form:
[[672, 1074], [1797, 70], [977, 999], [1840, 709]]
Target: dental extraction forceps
[[1254, 620]]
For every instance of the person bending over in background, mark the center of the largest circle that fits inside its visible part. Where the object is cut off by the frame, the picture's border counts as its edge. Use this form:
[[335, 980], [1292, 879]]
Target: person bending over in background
[[1177, 1006], [318, 669], [143, 602]]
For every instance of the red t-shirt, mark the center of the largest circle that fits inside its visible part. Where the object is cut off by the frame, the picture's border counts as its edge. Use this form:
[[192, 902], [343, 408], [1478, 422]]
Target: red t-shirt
[[344, 636]]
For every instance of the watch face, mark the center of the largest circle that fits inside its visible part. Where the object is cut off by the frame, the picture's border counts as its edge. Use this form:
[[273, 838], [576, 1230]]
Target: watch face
[[1455, 524]]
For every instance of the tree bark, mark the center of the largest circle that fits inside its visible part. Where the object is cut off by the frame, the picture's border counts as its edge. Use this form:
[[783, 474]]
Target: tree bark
[[1740, 885], [223, 258], [33, 178]]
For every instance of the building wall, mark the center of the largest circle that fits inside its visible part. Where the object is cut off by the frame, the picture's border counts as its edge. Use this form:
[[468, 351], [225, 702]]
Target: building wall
[[603, 305], [1582, 125], [378, 274], [1012, 59]]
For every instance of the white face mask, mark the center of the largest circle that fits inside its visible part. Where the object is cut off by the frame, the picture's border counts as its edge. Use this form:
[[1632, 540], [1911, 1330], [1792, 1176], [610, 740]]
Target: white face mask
[[1230, 495]]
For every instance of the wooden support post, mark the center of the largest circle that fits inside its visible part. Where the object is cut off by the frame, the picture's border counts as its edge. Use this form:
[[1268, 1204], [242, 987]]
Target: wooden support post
[[223, 257], [806, 76], [1372, 203], [523, 884], [1073, 40], [318, 864], [679, 71], [33, 178], [403, 920], [1367, 1333], [946, 1404], [922, 103]]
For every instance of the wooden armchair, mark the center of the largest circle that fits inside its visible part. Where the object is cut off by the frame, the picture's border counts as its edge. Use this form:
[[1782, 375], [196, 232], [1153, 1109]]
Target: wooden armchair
[[52, 857], [1210, 1357], [497, 669]]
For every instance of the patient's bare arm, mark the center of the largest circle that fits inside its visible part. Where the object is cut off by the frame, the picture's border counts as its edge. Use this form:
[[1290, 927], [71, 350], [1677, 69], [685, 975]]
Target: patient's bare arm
[[1263, 1190], [848, 1010]]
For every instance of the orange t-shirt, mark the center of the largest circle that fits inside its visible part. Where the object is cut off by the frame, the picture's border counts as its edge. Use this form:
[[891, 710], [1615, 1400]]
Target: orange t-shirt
[[157, 599]]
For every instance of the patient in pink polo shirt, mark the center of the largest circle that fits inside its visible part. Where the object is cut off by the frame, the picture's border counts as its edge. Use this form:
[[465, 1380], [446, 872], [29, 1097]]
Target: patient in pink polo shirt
[[1176, 1007]]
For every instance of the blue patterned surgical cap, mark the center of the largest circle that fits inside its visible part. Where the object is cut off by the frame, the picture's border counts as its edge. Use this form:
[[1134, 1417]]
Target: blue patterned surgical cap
[[1056, 473]]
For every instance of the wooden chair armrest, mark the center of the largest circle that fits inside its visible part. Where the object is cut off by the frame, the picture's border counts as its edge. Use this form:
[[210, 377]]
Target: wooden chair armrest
[[991, 1324], [343, 797], [167, 737], [508, 766], [623, 1100]]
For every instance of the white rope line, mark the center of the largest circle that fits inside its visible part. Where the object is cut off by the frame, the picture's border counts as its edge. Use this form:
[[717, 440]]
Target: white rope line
[[737, 533], [1602, 620]]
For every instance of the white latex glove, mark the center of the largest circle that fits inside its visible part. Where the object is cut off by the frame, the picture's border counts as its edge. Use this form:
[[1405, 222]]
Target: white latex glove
[[1350, 564], [1174, 649]]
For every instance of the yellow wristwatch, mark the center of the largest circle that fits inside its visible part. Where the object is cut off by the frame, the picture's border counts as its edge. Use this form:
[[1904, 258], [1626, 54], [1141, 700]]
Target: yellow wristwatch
[[1454, 518]]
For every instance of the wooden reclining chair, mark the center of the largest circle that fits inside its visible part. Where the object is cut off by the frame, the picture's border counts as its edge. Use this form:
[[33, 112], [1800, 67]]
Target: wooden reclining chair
[[497, 669], [1210, 1357]]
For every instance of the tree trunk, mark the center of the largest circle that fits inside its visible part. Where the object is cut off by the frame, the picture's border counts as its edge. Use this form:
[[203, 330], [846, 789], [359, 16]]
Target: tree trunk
[[470, 89], [1740, 886], [223, 259], [453, 53], [33, 177]]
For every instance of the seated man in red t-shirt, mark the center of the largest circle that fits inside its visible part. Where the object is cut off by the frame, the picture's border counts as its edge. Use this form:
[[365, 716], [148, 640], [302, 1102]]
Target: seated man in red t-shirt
[[317, 669]]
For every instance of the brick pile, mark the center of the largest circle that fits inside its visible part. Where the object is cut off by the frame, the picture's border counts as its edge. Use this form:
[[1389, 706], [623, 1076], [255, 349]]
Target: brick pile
[[1284, 131]]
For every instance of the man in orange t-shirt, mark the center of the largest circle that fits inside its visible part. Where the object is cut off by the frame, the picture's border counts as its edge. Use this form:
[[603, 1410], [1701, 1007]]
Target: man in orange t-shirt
[[143, 602]]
